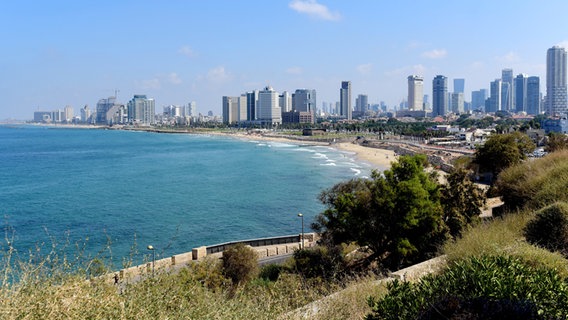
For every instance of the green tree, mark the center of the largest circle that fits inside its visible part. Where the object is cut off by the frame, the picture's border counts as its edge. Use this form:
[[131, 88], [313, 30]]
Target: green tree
[[461, 200], [503, 150], [397, 216]]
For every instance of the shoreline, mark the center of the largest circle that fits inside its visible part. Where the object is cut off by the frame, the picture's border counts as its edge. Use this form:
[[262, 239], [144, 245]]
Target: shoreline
[[378, 158]]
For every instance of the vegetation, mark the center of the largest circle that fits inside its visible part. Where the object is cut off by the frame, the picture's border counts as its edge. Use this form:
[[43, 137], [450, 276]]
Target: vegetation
[[478, 288], [501, 151], [556, 142], [549, 228], [535, 184], [397, 216], [240, 263]]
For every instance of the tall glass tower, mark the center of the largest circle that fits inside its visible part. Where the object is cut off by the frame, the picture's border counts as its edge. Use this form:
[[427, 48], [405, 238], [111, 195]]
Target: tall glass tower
[[439, 95]]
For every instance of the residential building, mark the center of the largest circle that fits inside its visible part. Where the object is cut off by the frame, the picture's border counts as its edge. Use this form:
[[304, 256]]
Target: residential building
[[345, 108], [141, 110], [556, 100]]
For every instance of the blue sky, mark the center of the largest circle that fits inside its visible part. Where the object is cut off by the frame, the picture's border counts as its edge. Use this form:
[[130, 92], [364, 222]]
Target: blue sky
[[57, 53]]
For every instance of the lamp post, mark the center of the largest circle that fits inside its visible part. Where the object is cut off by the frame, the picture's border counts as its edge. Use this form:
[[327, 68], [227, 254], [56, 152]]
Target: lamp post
[[302, 239], [151, 248]]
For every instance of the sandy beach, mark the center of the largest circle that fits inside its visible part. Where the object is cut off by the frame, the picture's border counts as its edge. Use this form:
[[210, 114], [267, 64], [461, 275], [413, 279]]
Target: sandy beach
[[380, 158]]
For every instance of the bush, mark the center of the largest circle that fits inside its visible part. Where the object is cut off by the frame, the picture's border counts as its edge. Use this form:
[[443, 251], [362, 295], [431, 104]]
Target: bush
[[484, 287], [549, 228], [240, 263], [319, 262], [271, 272]]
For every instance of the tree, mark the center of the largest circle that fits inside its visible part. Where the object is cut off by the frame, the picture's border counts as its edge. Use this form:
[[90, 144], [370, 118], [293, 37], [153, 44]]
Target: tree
[[240, 263], [461, 200], [397, 216], [556, 141], [503, 150]]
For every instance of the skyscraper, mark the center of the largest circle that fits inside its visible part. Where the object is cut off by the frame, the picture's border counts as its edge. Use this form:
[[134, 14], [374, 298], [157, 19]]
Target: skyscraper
[[439, 95], [345, 108], [285, 101], [459, 85], [415, 93], [507, 89], [556, 81], [495, 96], [141, 110], [520, 93], [304, 100], [478, 99], [361, 103], [252, 101], [268, 108], [533, 96], [457, 102]]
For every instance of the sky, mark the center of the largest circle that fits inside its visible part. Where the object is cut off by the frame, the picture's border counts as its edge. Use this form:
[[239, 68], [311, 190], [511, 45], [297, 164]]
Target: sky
[[57, 53]]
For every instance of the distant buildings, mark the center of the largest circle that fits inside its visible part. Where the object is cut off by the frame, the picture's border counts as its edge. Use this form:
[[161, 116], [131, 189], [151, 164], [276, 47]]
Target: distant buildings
[[269, 111], [439, 94], [478, 99], [556, 90], [533, 103], [507, 90], [494, 102], [345, 100]]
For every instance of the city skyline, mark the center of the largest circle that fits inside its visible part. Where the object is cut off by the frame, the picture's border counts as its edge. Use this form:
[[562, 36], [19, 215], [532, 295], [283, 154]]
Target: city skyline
[[70, 53]]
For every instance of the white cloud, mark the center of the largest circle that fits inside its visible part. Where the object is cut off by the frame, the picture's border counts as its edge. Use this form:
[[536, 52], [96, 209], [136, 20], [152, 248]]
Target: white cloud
[[405, 71], [294, 70], [218, 74], [510, 57], [174, 78], [365, 68], [151, 84], [313, 9], [435, 54], [187, 51]]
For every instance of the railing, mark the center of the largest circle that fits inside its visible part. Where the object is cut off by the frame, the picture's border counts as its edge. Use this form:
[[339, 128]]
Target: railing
[[255, 243]]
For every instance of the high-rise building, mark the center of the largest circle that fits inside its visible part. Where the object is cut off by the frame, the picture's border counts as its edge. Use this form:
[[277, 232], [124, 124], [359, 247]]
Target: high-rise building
[[252, 101], [230, 109], [507, 90], [478, 99], [556, 100], [520, 92], [415, 93], [141, 110], [533, 96], [457, 103], [345, 108], [495, 96], [85, 114], [304, 100], [459, 85], [362, 103], [68, 113], [191, 109], [268, 108], [285, 101], [439, 95], [103, 106]]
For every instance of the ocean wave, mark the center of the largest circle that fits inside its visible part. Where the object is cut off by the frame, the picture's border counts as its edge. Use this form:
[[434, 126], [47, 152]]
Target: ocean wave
[[318, 155], [356, 171], [328, 164]]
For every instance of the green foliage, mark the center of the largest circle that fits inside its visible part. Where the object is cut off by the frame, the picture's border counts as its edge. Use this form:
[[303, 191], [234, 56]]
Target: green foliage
[[478, 288], [549, 228], [271, 272], [208, 272], [319, 262], [461, 200], [503, 150], [397, 215], [535, 184], [240, 263], [556, 142]]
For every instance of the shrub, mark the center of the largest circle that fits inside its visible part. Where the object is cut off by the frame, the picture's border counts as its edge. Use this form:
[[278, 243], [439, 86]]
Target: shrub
[[498, 287], [549, 228], [240, 263], [271, 272], [322, 261]]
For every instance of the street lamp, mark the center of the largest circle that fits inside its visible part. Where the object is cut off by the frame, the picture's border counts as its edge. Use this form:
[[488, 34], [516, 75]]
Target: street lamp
[[151, 248], [302, 239]]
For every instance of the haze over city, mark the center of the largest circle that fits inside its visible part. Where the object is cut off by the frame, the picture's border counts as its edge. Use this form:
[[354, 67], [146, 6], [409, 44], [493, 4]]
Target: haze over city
[[61, 53]]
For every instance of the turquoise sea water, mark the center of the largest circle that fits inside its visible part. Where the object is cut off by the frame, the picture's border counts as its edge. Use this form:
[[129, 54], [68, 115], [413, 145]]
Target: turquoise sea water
[[173, 191]]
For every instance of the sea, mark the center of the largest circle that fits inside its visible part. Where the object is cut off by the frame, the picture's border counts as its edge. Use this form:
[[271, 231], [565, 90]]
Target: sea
[[111, 193]]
